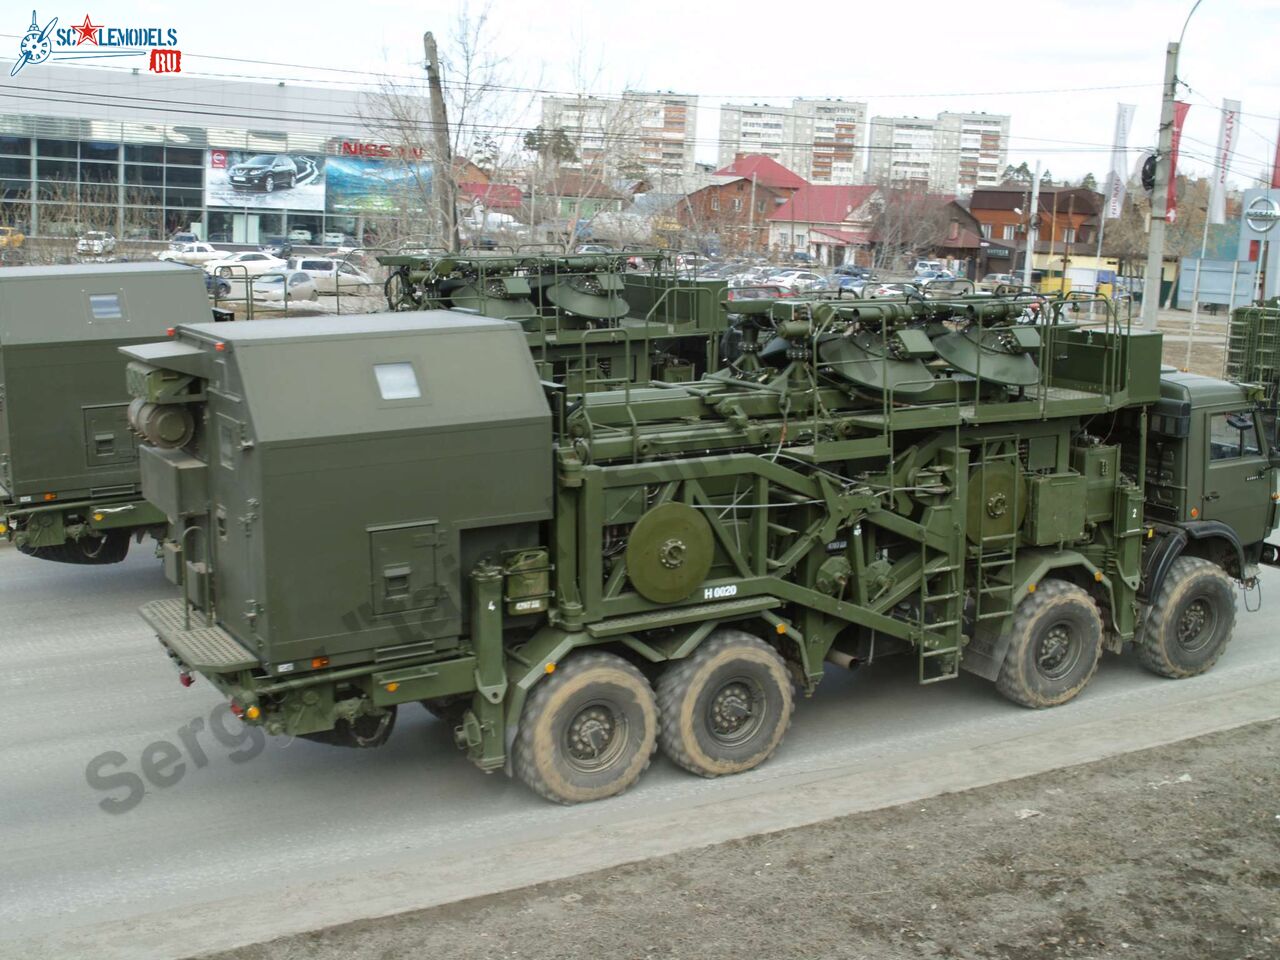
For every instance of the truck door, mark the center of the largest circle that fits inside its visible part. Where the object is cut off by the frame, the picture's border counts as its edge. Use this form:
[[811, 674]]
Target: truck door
[[1237, 488]]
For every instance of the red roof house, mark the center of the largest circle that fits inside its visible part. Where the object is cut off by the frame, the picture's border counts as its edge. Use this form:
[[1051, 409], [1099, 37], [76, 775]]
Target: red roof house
[[830, 221]]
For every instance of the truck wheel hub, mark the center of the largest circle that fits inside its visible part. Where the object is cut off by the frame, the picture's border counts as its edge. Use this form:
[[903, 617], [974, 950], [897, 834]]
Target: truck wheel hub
[[1057, 652], [1196, 625], [733, 714], [595, 737]]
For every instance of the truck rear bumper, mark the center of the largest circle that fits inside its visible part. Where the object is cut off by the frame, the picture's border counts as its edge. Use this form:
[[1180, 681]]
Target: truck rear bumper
[[208, 650]]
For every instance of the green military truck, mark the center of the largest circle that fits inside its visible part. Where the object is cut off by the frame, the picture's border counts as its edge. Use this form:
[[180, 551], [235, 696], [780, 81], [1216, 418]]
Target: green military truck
[[574, 581], [69, 485]]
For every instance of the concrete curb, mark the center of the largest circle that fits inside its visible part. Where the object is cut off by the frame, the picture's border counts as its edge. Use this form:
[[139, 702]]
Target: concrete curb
[[404, 886]]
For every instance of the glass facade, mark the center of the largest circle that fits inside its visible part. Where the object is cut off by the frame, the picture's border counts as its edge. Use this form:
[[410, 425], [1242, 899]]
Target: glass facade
[[60, 177]]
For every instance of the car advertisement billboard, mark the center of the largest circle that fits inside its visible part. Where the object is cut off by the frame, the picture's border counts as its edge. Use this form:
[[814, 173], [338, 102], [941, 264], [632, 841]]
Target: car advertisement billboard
[[264, 181], [377, 185]]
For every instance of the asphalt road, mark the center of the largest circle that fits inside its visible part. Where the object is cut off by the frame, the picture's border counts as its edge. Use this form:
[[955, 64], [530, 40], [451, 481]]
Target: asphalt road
[[237, 820]]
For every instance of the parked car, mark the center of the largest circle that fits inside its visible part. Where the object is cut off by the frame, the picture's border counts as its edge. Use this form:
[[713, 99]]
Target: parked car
[[934, 276], [762, 291], [299, 235], [888, 289], [850, 270], [592, 248], [11, 238], [96, 243], [266, 172], [328, 273], [993, 280], [927, 266], [854, 285], [799, 281], [281, 247], [200, 253], [253, 263], [335, 239], [801, 256], [183, 236], [271, 287]]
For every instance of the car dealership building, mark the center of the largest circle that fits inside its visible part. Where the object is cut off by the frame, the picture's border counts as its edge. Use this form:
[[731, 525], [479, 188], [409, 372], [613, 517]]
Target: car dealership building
[[146, 155]]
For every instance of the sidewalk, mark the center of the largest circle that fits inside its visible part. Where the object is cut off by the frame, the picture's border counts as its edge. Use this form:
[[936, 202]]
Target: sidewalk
[[1171, 853]]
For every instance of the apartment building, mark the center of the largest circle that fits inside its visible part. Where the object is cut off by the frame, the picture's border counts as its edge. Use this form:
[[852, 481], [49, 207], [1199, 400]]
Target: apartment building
[[950, 153], [820, 139], [656, 129]]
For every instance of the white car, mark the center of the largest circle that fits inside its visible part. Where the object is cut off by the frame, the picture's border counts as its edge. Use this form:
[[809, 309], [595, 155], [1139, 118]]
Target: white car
[[200, 253], [271, 287], [798, 281], [333, 239], [251, 263], [328, 274], [300, 235], [96, 242]]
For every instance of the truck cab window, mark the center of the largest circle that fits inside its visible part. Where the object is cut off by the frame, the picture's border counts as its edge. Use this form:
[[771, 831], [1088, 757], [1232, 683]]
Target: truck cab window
[[1232, 435]]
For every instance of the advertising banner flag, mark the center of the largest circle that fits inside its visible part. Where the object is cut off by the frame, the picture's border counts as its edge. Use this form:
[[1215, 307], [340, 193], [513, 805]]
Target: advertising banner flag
[[1117, 176], [1171, 200], [1227, 135], [1275, 167]]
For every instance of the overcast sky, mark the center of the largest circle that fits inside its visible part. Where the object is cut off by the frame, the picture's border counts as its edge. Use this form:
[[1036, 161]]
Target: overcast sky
[[911, 59]]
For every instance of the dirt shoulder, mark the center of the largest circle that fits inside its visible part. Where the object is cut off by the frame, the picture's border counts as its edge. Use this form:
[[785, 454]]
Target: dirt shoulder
[[1170, 853]]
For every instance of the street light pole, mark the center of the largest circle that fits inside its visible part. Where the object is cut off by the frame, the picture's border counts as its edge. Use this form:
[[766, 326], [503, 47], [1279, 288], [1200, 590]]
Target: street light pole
[[1160, 190], [1160, 193]]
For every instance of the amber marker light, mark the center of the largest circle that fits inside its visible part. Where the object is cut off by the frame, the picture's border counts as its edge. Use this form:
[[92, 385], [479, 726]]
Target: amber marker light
[[392, 687], [253, 713], [550, 668], [1195, 512], [220, 346], [781, 628], [50, 496], [318, 663]]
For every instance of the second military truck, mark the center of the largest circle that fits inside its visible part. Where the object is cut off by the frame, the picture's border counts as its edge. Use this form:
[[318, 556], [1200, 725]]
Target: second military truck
[[574, 581], [69, 486]]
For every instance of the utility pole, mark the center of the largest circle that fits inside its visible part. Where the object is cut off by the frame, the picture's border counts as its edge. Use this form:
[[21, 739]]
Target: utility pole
[[1160, 193], [1033, 227], [442, 176]]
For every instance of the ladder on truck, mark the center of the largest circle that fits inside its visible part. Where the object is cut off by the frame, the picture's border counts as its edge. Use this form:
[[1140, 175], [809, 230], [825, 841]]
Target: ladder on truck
[[940, 604], [996, 552]]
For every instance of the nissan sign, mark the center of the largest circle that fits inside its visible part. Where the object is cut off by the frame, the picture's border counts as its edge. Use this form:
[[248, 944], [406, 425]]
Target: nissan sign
[[1262, 214]]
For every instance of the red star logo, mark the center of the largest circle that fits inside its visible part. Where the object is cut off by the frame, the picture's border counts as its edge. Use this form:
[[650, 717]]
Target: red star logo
[[88, 31]]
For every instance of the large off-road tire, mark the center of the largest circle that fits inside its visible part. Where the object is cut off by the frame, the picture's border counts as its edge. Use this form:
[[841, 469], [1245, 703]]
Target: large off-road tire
[[362, 733], [587, 731], [726, 707], [1055, 646], [1191, 620], [111, 547]]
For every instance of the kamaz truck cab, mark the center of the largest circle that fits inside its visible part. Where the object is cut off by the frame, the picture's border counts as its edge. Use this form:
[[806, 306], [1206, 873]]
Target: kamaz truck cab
[[1211, 486]]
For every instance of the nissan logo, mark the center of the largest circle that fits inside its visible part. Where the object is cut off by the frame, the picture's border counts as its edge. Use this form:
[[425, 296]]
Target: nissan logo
[[1262, 214]]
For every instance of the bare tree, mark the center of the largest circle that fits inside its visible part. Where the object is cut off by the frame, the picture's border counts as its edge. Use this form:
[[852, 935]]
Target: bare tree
[[399, 112], [909, 220]]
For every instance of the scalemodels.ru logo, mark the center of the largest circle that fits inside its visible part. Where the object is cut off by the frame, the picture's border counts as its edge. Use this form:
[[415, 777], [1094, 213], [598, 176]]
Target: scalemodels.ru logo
[[98, 41]]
